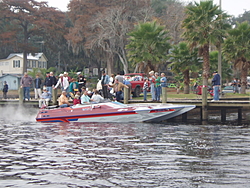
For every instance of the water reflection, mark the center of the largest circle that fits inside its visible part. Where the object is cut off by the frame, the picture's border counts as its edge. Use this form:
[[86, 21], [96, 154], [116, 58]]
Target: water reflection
[[123, 155]]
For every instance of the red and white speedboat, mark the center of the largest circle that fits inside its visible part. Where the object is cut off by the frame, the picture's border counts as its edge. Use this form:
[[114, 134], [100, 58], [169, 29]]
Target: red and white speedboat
[[113, 112]]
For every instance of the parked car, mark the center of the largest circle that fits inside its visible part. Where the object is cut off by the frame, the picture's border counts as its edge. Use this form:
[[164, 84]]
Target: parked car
[[171, 85], [228, 89], [137, 81]]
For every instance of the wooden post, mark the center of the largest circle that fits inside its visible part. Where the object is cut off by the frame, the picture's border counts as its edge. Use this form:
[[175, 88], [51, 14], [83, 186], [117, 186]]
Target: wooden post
[[21, 94], [223, 115], [204, 106], [239, 116], [164, 94], [126, 95], [54, 96], [184, 117]]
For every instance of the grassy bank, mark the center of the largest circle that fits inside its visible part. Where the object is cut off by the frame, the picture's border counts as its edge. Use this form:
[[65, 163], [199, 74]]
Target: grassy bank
[[170, 95]]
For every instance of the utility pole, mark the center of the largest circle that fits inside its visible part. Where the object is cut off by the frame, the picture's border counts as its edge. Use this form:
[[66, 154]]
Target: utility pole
[[219, 59], [59, 61]]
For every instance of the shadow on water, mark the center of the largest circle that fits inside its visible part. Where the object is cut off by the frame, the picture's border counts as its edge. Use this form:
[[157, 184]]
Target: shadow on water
[[122, 155]]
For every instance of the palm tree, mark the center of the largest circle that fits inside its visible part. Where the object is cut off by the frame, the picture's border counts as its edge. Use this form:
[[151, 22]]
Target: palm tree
[[148, 43], [183, 61], [237, 49], [202, 28]]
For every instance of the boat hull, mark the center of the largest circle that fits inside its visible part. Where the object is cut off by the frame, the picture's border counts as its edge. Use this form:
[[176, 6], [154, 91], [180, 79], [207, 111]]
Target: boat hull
[[113, 112]]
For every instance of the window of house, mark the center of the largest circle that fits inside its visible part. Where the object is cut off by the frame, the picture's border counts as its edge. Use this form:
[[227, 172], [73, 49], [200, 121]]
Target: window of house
[[16, 63], [28, 64], [44, 64], [39, 64], [33, 64]]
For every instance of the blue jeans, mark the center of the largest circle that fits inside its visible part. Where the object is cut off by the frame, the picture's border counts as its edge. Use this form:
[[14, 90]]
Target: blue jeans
[[64, 105], [152, 87], [158, 93], [216, 93], [145, 92], [49, 89], [118, 95], [26, 93]]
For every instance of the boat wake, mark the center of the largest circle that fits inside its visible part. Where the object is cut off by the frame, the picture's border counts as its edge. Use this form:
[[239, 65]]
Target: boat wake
[[11, 114]]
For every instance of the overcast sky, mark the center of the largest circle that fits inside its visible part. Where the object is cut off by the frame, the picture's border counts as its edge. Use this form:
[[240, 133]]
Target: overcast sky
[[232, 7]]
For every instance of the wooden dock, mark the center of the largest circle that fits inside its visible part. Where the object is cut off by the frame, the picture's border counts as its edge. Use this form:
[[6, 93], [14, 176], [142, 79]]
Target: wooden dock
[[224, 106]]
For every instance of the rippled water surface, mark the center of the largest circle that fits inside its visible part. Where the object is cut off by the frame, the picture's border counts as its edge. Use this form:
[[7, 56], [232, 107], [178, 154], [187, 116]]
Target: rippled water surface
[[122, 155]]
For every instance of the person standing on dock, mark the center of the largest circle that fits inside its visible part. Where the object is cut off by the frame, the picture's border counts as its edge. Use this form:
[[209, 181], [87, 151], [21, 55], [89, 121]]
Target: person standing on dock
[[37, 88], [157, 87], [63, 82], [5, 89], [216, 85], [105, 84], [81, 81], [26, 83], [50, 81], [152, 85], [145, 89], [235, 85]]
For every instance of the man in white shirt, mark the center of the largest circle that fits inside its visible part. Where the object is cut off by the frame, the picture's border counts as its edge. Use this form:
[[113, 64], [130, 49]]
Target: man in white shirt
[[63, 81], [96, 97]]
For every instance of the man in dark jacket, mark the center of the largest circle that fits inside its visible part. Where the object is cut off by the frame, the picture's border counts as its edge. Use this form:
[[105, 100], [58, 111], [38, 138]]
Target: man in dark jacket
[[37, 88], [216, 85], [81, 81], [50, 81], [5, 89]]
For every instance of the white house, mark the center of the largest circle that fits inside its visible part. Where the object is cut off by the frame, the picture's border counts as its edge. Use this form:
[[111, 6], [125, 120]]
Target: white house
[[13, 64]]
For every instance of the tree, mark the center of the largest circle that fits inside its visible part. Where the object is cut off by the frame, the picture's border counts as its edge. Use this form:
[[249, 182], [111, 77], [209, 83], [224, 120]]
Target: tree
[[148, 42], [171, 14], [202, 26], [237, 49], [183, 61], [105, 28], [31, 18]]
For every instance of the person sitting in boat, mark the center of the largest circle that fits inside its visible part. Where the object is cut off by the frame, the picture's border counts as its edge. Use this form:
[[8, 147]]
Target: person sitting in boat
[[63, 100], [77, 99], [73, 87], [118, 86], [96, 97], [45, 98], [85, 99]]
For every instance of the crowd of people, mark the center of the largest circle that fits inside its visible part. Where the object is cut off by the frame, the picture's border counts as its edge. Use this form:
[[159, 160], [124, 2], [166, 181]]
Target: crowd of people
[[74, 89], [236, 83], [43, 89], [156, 82]]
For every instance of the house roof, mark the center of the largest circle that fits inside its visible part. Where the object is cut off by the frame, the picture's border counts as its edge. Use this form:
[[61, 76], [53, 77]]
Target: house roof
[[36, 56], [13, 75]]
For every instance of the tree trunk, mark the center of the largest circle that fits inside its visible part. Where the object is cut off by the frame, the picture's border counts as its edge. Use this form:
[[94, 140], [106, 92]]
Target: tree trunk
[[25, 29], [206, 64], [110, 64], [244, 77], [24, 61], [186, 81], [124, 63]]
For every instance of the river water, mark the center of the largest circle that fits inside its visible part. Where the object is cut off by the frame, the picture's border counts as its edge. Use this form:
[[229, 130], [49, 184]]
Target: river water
[[120, 155]]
